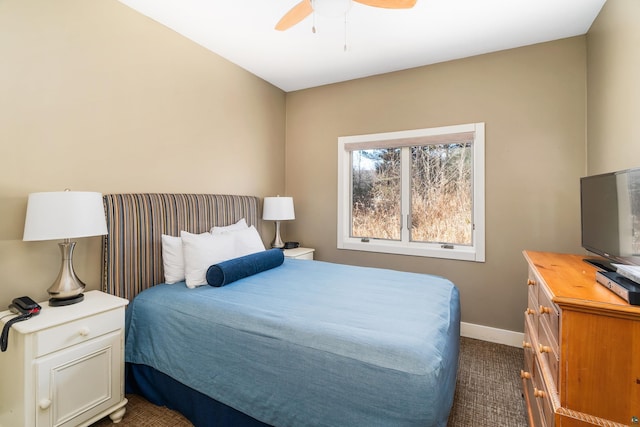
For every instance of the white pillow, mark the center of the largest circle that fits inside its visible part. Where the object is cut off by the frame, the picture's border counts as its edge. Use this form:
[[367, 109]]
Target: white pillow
[[172, 259], [240, 225], [202, 251], [247, 241]]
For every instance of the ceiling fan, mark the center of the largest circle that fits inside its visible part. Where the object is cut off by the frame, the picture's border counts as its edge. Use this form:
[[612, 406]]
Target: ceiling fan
[[306, 8]]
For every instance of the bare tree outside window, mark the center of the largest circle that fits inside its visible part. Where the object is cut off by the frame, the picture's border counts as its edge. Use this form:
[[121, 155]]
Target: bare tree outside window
[[441, 194], [376, 194]]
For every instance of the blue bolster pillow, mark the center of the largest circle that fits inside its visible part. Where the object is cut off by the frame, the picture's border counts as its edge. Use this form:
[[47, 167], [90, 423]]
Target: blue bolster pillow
[[238, 268]]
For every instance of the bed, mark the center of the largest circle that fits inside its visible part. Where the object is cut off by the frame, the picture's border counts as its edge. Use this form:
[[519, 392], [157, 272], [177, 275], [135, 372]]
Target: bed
[[304, 343]]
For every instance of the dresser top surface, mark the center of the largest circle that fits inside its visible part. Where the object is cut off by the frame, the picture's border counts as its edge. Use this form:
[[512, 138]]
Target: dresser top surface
[[573, 282]]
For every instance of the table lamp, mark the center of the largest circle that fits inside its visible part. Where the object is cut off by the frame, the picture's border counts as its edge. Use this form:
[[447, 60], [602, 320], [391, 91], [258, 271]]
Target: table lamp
[[65, 215], [278, 209]]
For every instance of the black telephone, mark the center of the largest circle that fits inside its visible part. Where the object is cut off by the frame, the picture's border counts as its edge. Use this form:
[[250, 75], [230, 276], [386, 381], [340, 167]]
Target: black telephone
[[25, 307], [291, 245]]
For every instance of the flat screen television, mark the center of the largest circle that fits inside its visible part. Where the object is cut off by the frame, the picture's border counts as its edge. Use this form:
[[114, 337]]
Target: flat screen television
[[610, 216]]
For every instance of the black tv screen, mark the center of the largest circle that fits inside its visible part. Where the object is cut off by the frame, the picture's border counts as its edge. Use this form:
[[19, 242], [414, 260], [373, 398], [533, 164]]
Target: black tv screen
[[610, 215]]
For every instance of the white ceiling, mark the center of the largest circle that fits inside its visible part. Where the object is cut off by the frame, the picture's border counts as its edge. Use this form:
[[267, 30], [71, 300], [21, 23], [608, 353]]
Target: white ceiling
[[378, 40]]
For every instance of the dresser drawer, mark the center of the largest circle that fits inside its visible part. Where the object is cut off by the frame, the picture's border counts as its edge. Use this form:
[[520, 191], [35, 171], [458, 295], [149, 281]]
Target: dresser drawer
[[77, 331], [549, 314], [531, 382], [531, 315], [533, 284], [541, 397], [536, 416], [529, 347], [548, 353]]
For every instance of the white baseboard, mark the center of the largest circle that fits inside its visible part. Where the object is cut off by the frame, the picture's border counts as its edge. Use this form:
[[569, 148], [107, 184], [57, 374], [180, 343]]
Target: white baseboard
[[487, 333]]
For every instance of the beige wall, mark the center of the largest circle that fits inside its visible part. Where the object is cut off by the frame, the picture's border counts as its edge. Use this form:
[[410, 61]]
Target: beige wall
[[94, 96], [533, 102], [613, 63]]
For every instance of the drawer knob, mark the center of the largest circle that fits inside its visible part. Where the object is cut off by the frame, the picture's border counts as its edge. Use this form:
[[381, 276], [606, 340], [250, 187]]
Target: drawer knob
[[84, 331], [44, 403], [544, 310], [525, 375], [544, 349], [526, 344], [538, 393], [531, 282], [529, 311]]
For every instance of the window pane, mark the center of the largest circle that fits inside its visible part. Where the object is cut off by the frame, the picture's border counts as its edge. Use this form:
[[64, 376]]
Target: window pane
[[375, 194], [441, 194]]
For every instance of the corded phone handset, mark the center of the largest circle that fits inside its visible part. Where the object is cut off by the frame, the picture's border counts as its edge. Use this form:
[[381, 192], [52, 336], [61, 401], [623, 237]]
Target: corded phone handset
[[25, 307]]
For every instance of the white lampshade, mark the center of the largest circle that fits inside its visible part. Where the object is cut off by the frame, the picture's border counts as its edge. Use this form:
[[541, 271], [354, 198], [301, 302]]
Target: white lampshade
[[278, 209], [64, 215]]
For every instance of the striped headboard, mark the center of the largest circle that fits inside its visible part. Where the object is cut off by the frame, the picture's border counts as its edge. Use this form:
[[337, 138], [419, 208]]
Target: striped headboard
[[132, 252]]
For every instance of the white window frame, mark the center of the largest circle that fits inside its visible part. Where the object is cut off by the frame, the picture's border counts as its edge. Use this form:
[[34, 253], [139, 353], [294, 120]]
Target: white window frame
[[474, 252]]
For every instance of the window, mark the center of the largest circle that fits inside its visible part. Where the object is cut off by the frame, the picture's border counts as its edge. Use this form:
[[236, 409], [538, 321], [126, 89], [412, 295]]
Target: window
[[417, 192]]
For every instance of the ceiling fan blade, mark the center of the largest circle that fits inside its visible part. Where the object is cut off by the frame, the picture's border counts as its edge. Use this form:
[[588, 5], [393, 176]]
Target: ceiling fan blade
[[295, 15], [389, 4]]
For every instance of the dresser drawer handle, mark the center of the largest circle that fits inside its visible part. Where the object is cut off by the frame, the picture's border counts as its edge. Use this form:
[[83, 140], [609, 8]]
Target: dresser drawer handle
[[544, 310], [544, 348], [526, 344], [539, 393], [531, 282], [84, 331], [44, 403], [525, 375], [529, 311]]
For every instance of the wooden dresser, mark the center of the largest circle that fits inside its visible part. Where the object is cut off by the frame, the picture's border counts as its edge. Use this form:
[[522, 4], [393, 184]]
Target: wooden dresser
[[581, 347]]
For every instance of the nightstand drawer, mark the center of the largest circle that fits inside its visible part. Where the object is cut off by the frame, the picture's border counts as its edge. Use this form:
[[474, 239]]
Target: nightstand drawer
[[71, 333]]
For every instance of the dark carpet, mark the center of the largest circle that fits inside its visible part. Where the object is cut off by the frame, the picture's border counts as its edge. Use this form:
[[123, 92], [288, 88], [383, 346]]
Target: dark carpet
[[489, 389]]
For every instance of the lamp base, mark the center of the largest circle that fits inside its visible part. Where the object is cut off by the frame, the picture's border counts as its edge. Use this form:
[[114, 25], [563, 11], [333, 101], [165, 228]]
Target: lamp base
[[277, 241], [67, 288], [60, 302]]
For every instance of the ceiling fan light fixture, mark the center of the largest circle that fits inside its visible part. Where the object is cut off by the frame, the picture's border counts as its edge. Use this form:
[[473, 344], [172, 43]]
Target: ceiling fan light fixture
[[333, 8]]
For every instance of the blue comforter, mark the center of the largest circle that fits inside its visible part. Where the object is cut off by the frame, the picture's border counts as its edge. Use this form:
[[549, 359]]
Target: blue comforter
[[309, 343]]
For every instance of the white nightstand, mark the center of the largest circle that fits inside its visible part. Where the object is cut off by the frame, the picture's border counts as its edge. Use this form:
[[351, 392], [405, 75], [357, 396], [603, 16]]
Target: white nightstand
[[65, 366], [299, 253]]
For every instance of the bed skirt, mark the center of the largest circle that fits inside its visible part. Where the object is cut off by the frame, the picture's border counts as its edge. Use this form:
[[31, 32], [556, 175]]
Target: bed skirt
[[203, 411]]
